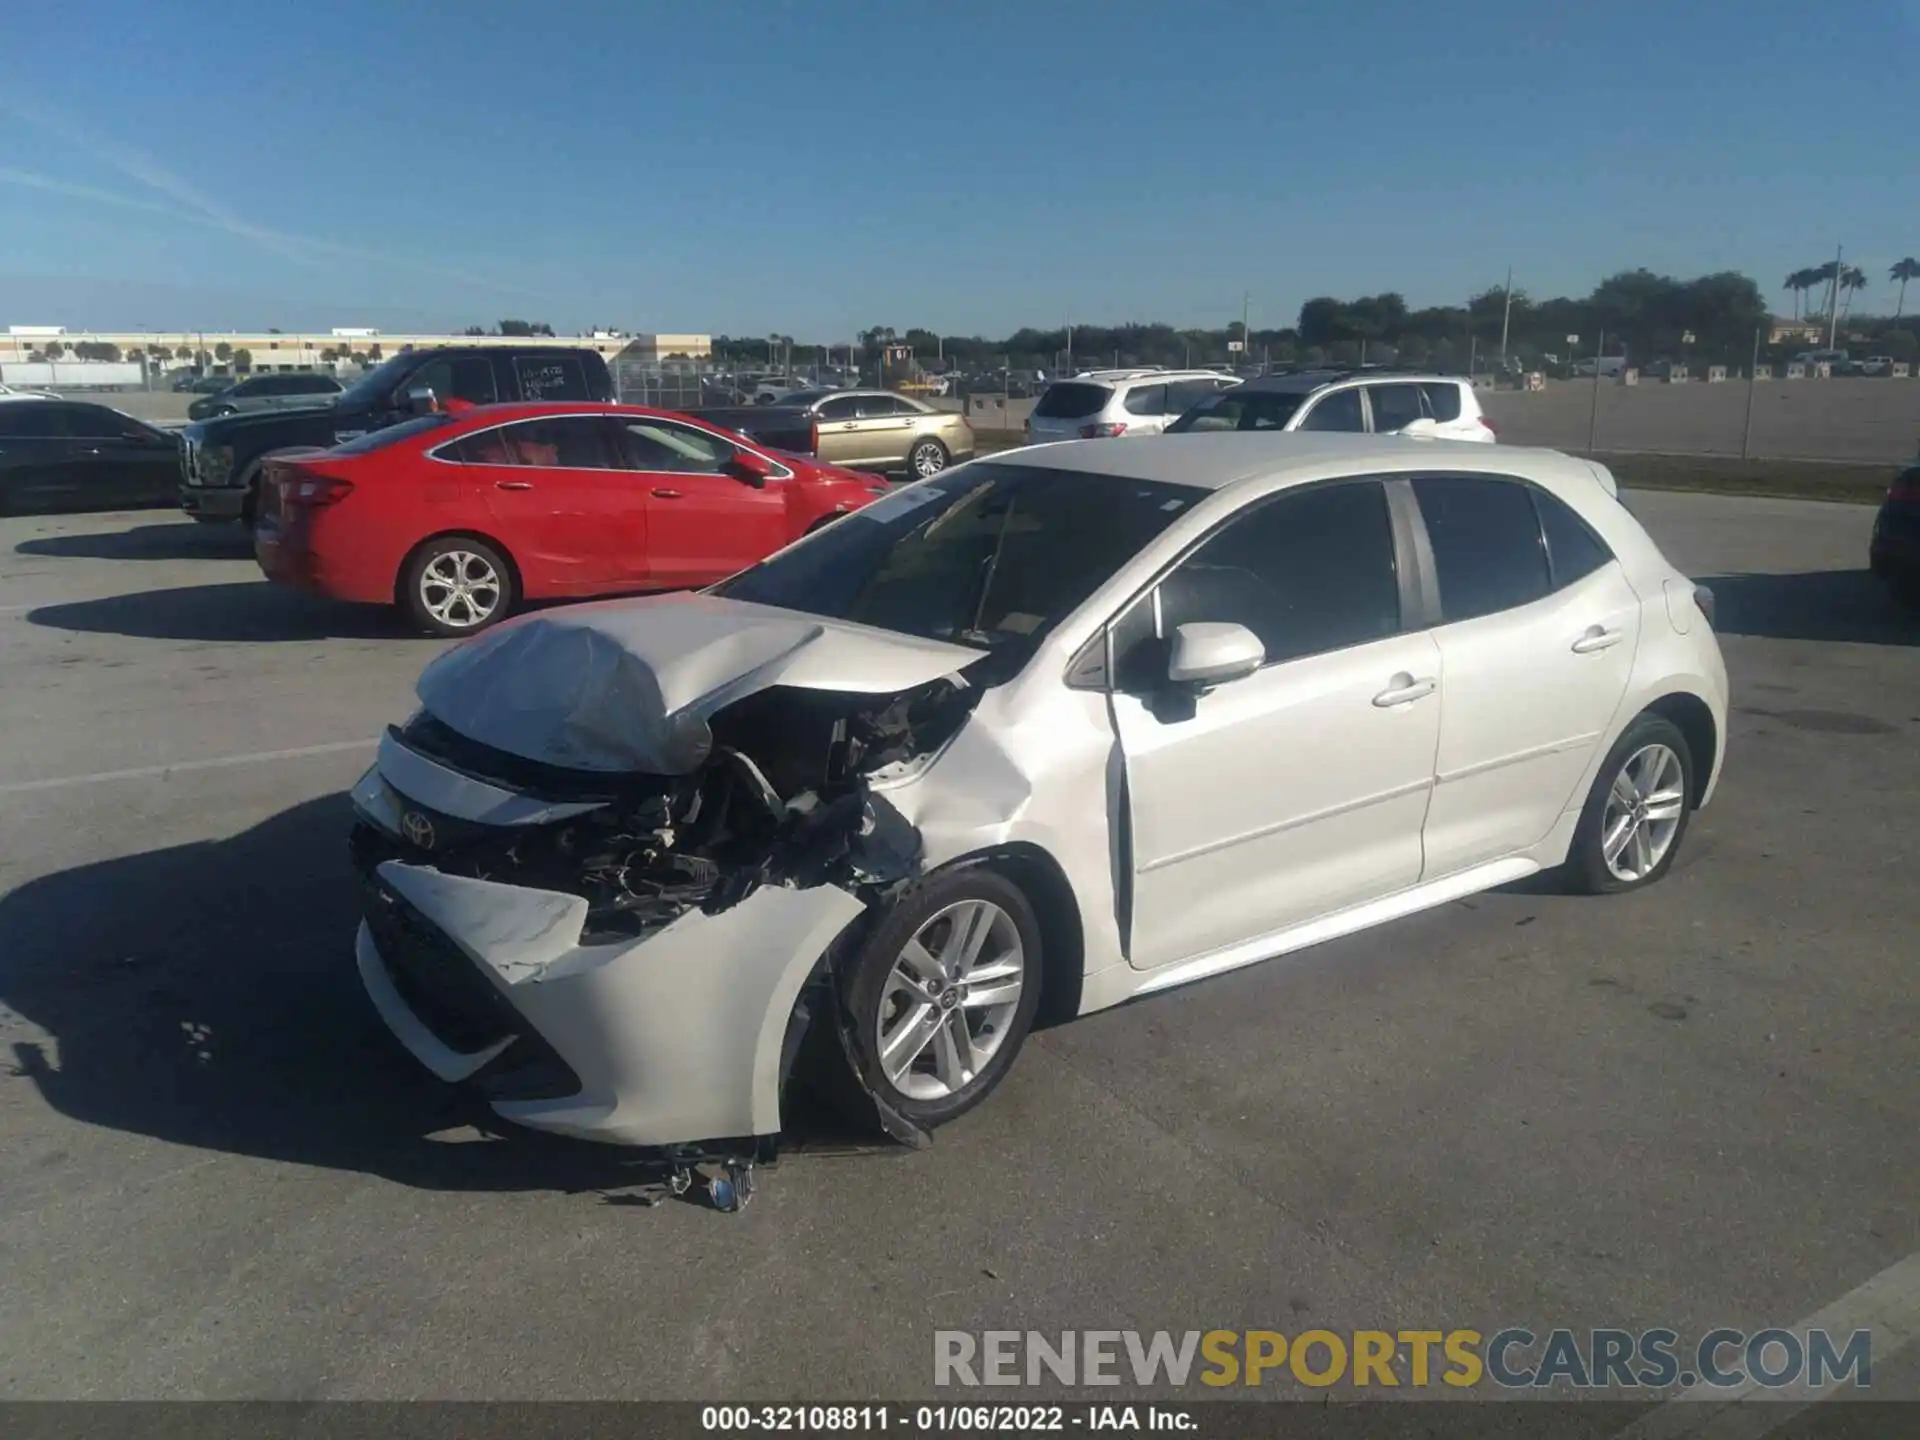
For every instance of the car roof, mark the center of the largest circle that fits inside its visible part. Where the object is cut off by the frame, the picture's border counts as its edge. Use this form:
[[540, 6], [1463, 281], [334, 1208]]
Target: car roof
[[1299, 382], [1220, 459]]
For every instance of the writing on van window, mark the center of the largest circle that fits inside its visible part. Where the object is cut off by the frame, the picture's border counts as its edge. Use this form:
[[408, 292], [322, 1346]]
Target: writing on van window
[[559, 378]]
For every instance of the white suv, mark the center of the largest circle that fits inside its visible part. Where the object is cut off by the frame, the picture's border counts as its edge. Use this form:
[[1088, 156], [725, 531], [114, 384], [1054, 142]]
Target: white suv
[[1099, 404], [1365, 401]]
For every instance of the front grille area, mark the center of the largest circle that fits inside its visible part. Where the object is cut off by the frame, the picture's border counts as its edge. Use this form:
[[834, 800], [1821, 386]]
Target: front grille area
[[434, 976]]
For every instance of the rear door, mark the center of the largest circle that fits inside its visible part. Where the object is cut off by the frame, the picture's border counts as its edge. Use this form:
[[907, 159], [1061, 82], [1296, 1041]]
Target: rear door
[[1146, 409], [885, 429], [556, 490], [1537, 637], [703, 523], [1396, 406], [838, 421]]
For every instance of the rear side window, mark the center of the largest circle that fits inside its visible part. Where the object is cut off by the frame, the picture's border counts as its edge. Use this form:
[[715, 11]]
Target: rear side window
[[1240, 410], [550, 377], [1147, 400], [1487, 547], [89, 422], [574, 442], [1573, 550], [1337, 411], [1183, 395], [314, 385], [20, 419], [879, 407], [1394, 406], [1443, 400], [1072, 400], [1309, 572]]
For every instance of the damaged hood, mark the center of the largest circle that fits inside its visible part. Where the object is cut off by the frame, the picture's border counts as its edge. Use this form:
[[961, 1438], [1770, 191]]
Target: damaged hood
[[629, 685]]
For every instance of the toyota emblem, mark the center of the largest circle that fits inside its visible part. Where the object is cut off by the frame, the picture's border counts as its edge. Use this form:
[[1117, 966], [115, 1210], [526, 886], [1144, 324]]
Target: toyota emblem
[[418, 829]]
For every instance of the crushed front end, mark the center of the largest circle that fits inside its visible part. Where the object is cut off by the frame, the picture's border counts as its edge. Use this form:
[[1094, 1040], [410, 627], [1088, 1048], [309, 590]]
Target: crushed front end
[[632, 957]]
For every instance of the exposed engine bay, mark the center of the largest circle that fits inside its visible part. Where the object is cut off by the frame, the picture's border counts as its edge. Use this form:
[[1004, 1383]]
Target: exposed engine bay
[[781, 798]]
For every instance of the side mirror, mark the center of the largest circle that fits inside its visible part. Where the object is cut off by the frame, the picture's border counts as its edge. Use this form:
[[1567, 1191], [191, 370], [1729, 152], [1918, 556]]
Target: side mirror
[[750, 468], [1213, 652], [1422, 426], [419, 400]]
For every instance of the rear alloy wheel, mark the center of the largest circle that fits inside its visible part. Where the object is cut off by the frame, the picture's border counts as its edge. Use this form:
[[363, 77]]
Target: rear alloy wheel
[[457, 587], [927, 459], [945, 992], [1637, 812]]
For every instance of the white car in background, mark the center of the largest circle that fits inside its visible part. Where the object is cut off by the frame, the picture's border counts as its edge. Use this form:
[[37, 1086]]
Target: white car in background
[[1378, 402], [1048, 731], [8, 392], [1101, 404]]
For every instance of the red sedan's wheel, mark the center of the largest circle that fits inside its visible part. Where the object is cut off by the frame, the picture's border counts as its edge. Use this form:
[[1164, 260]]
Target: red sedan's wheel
[[457, 586]]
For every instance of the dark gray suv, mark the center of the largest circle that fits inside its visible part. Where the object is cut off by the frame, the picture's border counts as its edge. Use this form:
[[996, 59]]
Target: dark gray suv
[[288, 389]]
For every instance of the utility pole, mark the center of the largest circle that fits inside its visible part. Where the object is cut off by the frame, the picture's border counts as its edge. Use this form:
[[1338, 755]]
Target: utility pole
[[1246, 335], [1593, 415], [1506, 316], [1833, 297], [1069, 327]]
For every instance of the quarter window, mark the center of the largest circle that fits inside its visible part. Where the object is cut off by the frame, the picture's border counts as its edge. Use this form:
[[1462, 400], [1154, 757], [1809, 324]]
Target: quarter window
[[1443, 400], [1309, 572], [1573, 550], [1337, 411], [1487, 547], [1394, 407]]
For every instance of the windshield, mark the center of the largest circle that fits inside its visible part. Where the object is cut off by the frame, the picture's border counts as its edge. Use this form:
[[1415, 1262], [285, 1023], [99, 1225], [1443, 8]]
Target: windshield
[[1240, 410], [993, 555], [377, 384]]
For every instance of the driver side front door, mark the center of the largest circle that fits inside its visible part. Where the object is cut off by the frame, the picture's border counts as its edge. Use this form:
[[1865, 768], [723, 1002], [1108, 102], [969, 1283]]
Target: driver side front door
[[1300, 790]]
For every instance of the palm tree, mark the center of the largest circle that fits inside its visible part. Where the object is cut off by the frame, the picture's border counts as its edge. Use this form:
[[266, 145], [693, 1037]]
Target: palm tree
[[1799, 282], [1903, 271], [1852, 278]]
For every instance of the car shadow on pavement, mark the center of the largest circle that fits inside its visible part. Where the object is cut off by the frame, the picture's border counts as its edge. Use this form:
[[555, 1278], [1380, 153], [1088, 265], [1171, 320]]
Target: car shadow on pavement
[[238, 611], [1833, 605], [206, 995], [187, 540]]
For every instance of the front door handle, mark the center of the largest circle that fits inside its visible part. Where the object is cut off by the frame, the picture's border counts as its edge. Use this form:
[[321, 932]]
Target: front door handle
[[665, 494], [1597, 637], [513, 484], [1403, 689]]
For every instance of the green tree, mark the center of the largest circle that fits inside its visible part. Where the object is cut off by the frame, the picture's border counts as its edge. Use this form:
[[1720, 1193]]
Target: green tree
[[1903, 271], [242, 361], [223, 352], [373, 351], [53, 349], [474, 330], [1852, 279]]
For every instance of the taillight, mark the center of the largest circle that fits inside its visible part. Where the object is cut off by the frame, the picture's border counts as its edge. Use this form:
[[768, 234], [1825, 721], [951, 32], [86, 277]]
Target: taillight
[[1906, 489], [1703, 598], [814, 431], [314, 490], [1489, 426], [1105, 430]]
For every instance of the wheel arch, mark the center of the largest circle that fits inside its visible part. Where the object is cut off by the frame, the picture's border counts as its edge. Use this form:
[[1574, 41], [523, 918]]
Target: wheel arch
[[1062, 936], [459, 532], [1693, 718]]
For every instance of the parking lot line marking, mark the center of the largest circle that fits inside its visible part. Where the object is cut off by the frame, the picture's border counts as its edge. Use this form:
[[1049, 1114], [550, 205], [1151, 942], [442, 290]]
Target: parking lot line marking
[[146, 772], [1888, 1305]]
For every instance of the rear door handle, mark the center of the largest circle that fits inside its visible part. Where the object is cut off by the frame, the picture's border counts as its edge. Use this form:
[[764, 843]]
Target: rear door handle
[[1597, 637], [1404, 689], [513, 484], [665, 494]]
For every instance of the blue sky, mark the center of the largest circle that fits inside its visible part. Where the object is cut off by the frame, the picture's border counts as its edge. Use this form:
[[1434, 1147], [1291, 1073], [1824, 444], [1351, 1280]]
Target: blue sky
[[969, 165]]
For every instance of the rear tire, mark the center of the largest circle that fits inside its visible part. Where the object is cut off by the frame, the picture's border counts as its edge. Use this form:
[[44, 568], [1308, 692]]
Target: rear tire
[[1636, 814], [456, 586], [917, 984], [927, 459]]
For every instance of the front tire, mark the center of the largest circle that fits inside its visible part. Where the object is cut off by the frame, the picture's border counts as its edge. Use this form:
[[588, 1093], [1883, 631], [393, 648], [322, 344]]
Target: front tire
[[944, 992], [456, 586], [927, 459], [1636, 814]]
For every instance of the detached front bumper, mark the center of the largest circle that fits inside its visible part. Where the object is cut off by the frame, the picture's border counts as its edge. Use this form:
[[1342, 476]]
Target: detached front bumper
[[672, 1039]]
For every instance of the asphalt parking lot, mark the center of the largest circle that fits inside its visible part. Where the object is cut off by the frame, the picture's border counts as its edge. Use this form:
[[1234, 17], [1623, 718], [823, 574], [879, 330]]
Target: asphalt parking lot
[[1693, 1107]]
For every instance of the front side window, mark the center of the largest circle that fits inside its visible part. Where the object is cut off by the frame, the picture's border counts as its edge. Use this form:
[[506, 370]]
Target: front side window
[[468, 378], [1308, 572], [90, 422], [677, 449], [1486, 543], [1395, 407], [992, 555], [1337, 411], [573, 442], [550, 377], [844, 408]]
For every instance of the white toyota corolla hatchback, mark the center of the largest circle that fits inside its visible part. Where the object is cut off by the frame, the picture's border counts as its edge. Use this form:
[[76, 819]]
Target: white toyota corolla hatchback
[[1038, 735]]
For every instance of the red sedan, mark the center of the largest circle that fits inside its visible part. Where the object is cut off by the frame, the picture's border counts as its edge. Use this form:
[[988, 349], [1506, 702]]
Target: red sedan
[[456, 518]]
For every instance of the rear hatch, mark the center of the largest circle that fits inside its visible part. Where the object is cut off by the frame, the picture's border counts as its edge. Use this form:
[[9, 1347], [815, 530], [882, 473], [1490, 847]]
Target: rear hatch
[[1067, 406]]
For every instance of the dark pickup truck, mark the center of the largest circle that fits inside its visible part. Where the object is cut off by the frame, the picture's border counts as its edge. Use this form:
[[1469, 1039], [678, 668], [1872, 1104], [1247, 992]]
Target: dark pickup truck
[[221, 459]]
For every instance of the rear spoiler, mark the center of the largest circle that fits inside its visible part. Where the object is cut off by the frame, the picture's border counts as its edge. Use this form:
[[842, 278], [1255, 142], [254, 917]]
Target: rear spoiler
[[1605, 478]]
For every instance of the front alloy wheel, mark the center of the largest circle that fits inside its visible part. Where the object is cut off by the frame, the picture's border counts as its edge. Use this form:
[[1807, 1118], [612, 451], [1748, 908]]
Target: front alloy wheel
[[949, 1002], [927, 459]]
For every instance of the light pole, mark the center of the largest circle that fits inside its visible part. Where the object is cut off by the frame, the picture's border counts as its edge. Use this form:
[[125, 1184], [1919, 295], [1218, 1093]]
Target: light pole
[[1833, 296], [1506, 315]]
